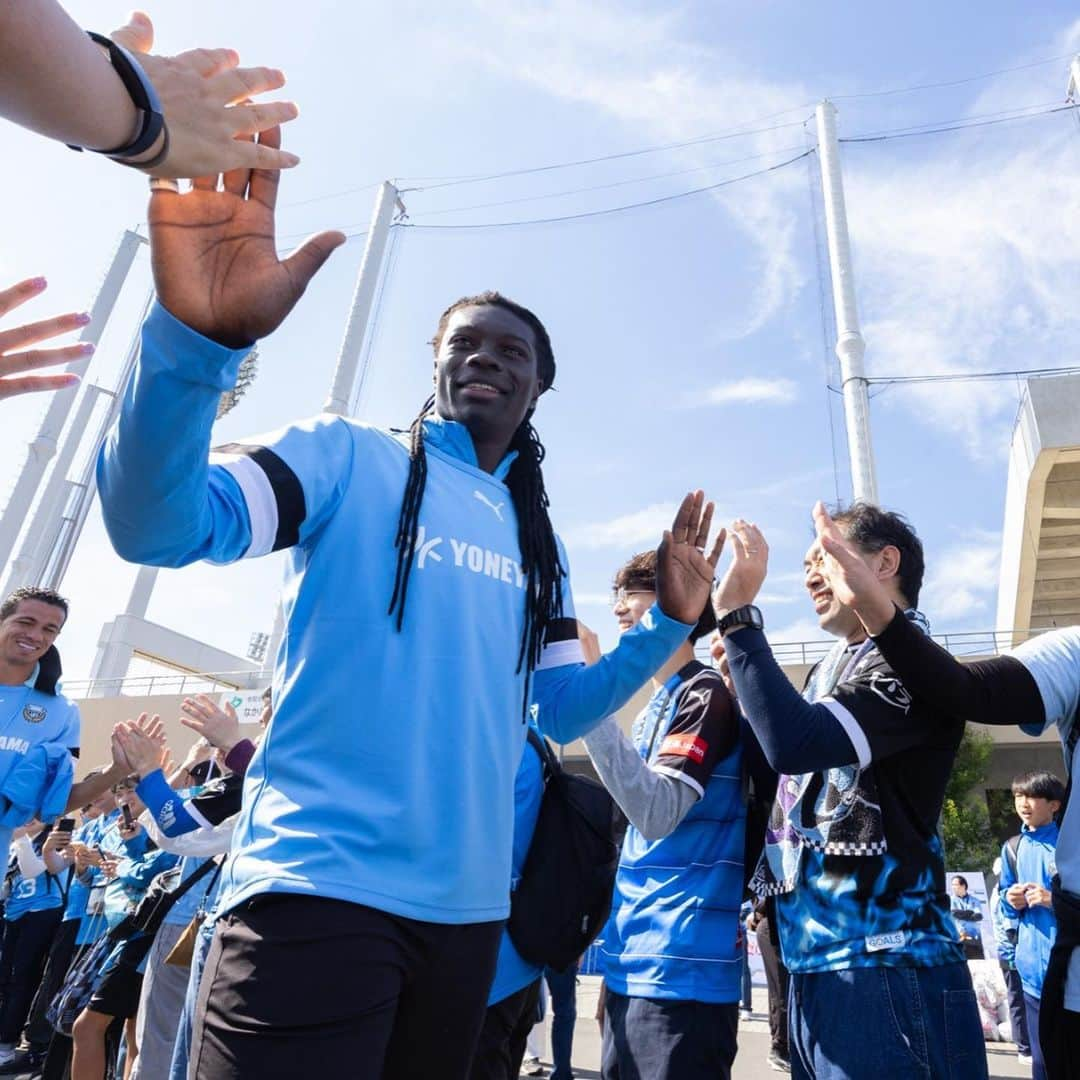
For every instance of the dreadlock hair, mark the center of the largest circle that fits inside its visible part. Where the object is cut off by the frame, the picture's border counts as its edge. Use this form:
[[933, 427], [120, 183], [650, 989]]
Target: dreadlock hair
[[536, 538]]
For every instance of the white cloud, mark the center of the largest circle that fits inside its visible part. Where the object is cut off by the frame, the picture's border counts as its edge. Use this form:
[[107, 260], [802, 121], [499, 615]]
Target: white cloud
[[645, 526], [747, 391], [963, 583]]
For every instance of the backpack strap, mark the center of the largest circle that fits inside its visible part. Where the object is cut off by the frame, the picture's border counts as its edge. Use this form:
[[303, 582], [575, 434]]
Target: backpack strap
[[543, 748], [1011, 852]]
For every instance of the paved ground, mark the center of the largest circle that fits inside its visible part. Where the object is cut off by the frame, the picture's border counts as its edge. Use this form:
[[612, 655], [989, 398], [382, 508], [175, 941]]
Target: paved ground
[[753, 1042]]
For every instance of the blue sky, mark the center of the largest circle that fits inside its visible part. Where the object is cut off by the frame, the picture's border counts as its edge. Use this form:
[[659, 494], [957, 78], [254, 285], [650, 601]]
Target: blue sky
[[690, 337]]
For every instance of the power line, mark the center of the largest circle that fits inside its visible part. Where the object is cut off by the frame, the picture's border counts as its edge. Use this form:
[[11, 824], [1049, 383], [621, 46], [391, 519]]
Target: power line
[[612, 209], [612, 184], [700, 140], [907, 133], [966, 376], [949, 82]]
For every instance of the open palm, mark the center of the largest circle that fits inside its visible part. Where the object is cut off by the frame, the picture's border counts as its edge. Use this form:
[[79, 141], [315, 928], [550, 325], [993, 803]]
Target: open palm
[[214, 256], [684, 573]]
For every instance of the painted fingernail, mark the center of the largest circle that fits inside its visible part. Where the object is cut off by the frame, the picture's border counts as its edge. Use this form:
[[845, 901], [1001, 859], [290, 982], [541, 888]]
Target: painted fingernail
[[37, 283], [82, 319], [86, 348]]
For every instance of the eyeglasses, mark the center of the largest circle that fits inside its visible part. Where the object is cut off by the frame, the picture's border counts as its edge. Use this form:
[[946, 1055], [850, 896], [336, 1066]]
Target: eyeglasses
[[620, 596]]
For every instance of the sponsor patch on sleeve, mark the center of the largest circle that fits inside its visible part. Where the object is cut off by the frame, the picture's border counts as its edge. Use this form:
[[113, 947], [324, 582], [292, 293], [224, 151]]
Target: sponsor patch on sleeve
[[687, 746]]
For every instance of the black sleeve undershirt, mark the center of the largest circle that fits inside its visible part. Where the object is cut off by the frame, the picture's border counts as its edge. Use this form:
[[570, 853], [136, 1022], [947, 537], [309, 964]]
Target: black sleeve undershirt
[[998, 691]]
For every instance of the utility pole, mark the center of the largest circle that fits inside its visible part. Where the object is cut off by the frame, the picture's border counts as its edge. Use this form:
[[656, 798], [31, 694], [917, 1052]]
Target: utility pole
[[43, 446], [356, 329], [1073, 91], [850, 346]]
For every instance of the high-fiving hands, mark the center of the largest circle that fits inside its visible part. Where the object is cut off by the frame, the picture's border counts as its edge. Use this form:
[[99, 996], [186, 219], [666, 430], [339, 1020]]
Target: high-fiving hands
[[684, 573], [204, 98], [214, 254], [142, 744], [749, 564]]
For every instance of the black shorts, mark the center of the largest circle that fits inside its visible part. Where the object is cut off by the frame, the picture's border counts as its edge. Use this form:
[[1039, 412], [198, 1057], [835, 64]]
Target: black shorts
[[343, 991], [118, 992]]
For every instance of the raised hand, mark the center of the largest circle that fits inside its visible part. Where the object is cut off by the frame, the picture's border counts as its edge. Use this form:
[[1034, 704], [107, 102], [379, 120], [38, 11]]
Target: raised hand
[[218, 727], [142, 743], [684, 573], [746, 574], [852, 581], [199, 93], [15, 358], [215, 260]]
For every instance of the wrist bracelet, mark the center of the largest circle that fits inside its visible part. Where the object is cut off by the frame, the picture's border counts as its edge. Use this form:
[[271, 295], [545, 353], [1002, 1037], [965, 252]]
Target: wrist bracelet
[[145, 99]]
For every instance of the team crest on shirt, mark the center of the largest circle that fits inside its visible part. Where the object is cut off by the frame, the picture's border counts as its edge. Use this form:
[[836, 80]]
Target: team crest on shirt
[[891, 690], [34, 714]]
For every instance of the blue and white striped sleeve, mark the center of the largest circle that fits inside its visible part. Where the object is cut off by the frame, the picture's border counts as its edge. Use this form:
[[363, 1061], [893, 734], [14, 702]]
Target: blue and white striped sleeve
[[165, 504]]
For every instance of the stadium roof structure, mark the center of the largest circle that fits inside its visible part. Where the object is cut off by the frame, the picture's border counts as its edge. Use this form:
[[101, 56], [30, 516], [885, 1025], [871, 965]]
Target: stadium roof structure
[[1040, 545]]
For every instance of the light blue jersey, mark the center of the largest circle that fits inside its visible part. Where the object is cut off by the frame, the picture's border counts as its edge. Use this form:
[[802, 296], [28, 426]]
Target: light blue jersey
[[386, 777], [32, 717], [1053, 659]]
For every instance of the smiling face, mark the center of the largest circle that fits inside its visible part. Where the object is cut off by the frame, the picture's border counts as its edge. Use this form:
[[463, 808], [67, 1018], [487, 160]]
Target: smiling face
[[28, 631], [630, 604], [486, 374], [832, 616]]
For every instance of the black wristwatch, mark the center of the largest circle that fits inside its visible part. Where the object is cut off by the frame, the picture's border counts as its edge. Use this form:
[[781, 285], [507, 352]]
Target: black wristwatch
[[144, 97], [737, 618]]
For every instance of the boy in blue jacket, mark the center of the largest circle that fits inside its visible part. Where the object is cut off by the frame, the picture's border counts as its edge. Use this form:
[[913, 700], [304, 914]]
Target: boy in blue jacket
[[1025, 891]]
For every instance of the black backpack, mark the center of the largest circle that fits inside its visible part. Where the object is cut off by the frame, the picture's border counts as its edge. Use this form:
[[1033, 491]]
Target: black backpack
[[564, 895]]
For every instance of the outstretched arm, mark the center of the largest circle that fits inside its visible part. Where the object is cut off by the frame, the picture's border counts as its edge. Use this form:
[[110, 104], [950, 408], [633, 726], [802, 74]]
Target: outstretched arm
[[997, 691], [56, 81], [572, 698]]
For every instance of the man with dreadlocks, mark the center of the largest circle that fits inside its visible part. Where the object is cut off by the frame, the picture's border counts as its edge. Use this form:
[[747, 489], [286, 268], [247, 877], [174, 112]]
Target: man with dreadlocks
[[372, 855]]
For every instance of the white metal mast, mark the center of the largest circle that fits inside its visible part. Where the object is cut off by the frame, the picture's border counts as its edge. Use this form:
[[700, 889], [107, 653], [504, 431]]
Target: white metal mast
[[850, 346], [341, 390], [43, 446]]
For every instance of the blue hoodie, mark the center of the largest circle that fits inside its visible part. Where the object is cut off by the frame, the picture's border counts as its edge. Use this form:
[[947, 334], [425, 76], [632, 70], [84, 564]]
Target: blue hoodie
[[386, 777], [1036, 928]]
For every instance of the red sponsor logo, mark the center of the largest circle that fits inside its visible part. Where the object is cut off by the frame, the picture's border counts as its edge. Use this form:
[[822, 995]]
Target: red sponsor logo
[[687, 746]]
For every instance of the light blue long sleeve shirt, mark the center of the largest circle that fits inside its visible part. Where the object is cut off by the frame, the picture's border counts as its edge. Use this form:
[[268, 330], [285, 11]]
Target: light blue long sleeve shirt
[[387, 775]]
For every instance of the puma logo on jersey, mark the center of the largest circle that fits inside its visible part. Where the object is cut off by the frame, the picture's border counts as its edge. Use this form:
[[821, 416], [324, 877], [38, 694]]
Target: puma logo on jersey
[[496, 508]]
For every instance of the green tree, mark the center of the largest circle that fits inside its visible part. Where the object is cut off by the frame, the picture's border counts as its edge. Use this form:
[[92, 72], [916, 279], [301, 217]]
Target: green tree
[[965, 822]]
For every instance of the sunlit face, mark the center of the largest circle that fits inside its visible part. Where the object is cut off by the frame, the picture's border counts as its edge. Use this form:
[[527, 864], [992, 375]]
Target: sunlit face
[[486, 371], [630, 604], [28, 632], [832, 616], [1035, 812]]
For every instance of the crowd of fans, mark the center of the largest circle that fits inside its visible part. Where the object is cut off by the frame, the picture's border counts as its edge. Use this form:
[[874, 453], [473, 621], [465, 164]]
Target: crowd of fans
[[334, 901]]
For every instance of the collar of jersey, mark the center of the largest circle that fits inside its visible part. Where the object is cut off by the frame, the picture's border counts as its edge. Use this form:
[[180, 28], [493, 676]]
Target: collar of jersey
[[454, 441], [1041, 833]]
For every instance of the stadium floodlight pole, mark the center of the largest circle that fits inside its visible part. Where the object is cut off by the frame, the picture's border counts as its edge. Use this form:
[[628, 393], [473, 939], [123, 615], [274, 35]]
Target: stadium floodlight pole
[[1073, 91], [43, 446], [850, 346], [25, 568], [341, 390]]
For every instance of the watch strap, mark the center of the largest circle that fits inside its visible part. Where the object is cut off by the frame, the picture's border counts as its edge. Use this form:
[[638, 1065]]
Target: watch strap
[[747, 615], [143, 96]]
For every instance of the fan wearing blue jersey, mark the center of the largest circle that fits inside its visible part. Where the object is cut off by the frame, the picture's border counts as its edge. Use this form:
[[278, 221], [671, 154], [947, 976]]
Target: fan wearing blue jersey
[[1036, 685], [424, 564], [879, 985], [40, 727], [671, 961]]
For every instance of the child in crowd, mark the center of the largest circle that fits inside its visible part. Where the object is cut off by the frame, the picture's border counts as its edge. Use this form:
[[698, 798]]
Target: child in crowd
[[1026, 873]]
